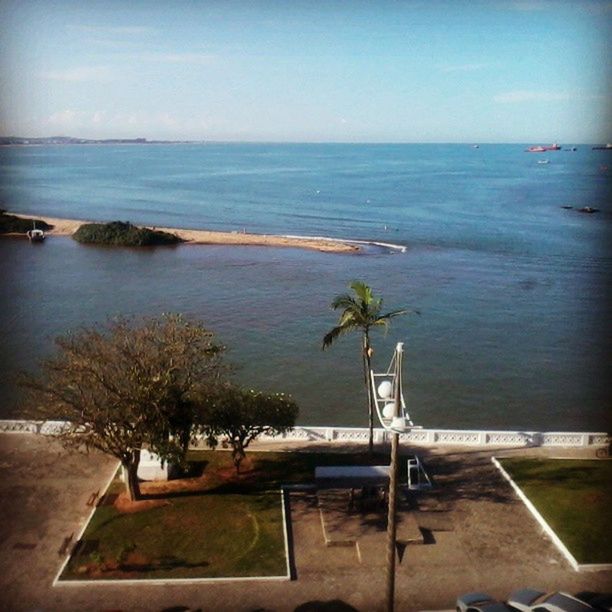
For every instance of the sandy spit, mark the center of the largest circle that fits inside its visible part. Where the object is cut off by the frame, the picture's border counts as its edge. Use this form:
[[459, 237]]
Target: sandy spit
[[67, 227]]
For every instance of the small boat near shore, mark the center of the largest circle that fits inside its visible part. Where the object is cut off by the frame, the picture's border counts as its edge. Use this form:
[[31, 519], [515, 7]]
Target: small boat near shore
[[543, 161], [35, 235]]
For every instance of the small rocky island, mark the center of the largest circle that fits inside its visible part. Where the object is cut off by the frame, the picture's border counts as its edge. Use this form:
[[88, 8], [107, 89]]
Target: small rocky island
[[119, 233]]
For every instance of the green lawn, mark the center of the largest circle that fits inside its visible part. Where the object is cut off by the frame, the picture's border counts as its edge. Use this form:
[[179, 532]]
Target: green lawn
[[212, 524], [575, 499]]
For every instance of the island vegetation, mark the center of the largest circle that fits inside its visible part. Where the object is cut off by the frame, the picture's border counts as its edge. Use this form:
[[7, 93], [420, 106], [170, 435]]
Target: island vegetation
[[120, 233], [10, 224]]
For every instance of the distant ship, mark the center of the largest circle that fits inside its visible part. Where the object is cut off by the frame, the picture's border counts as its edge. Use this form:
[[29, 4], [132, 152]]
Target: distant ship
[[607, 147], [541, 149]]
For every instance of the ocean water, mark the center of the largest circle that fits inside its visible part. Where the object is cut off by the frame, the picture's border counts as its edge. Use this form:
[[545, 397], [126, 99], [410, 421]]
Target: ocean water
[[512, 289]]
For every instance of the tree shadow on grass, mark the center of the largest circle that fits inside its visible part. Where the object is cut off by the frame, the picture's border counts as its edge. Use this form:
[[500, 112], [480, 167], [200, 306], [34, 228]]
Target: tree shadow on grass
[[194, 469], [163, 564], [335, 605], [266, 471], [457, 476]]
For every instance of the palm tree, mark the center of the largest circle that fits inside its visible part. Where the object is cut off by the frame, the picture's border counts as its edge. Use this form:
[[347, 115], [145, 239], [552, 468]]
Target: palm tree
[[360, 312]]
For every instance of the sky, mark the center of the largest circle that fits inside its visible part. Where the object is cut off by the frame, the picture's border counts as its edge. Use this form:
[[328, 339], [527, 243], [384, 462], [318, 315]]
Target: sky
[[308, 71]]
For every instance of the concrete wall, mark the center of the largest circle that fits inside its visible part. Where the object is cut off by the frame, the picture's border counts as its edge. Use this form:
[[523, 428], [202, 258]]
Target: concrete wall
[[425, 437]]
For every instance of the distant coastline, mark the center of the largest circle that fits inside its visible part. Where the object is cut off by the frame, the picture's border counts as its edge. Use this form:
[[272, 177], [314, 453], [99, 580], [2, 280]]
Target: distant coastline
[[8, 141], [67, 227]]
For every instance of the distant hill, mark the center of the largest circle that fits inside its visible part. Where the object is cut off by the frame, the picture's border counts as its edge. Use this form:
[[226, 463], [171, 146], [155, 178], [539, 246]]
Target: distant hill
[[69, 140]]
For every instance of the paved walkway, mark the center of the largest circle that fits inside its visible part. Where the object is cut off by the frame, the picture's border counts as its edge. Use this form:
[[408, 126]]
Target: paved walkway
[[478, 536]]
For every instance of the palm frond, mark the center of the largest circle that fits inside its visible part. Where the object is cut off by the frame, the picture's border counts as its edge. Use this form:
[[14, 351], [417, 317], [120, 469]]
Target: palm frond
[[344, 301], [362, 291], [393, 313], [332, 335], [355, 318], [360, 311]]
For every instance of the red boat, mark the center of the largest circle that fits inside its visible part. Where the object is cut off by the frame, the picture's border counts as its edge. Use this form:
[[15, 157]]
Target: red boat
[[541, 149]]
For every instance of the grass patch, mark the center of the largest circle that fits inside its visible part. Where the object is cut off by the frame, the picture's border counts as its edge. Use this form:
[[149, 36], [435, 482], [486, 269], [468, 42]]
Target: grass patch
[[118, 233], [575, 499], [213, 523]]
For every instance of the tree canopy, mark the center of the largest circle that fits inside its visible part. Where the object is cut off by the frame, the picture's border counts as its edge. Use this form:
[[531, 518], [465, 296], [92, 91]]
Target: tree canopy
[[128, 385], [241, 415]]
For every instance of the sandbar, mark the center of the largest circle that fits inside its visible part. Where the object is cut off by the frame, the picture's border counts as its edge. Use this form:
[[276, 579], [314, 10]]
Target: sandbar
[[67, 227]]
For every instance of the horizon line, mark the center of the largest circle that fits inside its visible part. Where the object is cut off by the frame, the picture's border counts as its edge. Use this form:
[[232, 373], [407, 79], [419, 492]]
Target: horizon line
[[266, 141]]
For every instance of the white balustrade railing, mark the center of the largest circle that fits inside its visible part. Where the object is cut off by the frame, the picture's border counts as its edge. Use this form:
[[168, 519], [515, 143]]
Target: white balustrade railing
[[426, 437]]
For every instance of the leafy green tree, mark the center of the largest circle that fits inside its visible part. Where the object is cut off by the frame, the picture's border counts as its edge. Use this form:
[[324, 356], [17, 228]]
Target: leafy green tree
[[241, 415], [127, 386], [361, 312]]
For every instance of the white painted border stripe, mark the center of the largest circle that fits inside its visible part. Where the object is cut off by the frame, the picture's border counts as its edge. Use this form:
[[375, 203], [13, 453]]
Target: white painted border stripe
[[285, 533], [548, 529], [93, 511], [169, 581]]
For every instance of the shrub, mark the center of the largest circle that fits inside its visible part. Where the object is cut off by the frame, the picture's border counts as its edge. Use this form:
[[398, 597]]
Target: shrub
[[118, 233], [9, 224]]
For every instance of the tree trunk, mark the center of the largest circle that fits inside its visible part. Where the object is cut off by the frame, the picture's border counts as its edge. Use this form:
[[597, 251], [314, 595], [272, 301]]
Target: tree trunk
[[367, 366], [131, 472], [238, 455]]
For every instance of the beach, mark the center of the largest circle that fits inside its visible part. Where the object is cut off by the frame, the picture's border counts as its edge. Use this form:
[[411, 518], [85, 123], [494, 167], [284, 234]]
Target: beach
[[67, 227]]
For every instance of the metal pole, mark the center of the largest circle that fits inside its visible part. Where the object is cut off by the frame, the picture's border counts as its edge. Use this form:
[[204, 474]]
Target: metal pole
[[391, 515]]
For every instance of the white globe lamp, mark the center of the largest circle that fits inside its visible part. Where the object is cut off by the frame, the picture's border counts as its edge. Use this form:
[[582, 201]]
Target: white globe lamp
[[385, 389], [389, 410], [398, 424]]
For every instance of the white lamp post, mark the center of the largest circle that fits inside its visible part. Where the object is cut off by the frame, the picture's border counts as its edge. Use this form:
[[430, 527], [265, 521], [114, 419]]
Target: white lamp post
[[395, 419]]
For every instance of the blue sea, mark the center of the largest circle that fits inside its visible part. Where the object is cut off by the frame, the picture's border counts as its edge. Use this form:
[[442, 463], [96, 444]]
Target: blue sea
[[511, 288]]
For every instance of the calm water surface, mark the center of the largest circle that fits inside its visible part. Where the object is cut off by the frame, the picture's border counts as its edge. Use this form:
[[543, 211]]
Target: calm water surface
[[512, 288]]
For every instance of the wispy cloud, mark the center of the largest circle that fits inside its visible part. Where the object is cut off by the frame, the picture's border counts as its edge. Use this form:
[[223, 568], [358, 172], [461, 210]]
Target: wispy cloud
[[179, 58], [530, 5], [71, 119], [465, 67], [167, 57], [518, 96], [79, 74], [595, 7], [111, 30]]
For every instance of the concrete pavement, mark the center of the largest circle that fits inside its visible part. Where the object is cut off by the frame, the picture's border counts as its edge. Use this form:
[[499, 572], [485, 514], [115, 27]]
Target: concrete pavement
[[478, 536]]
